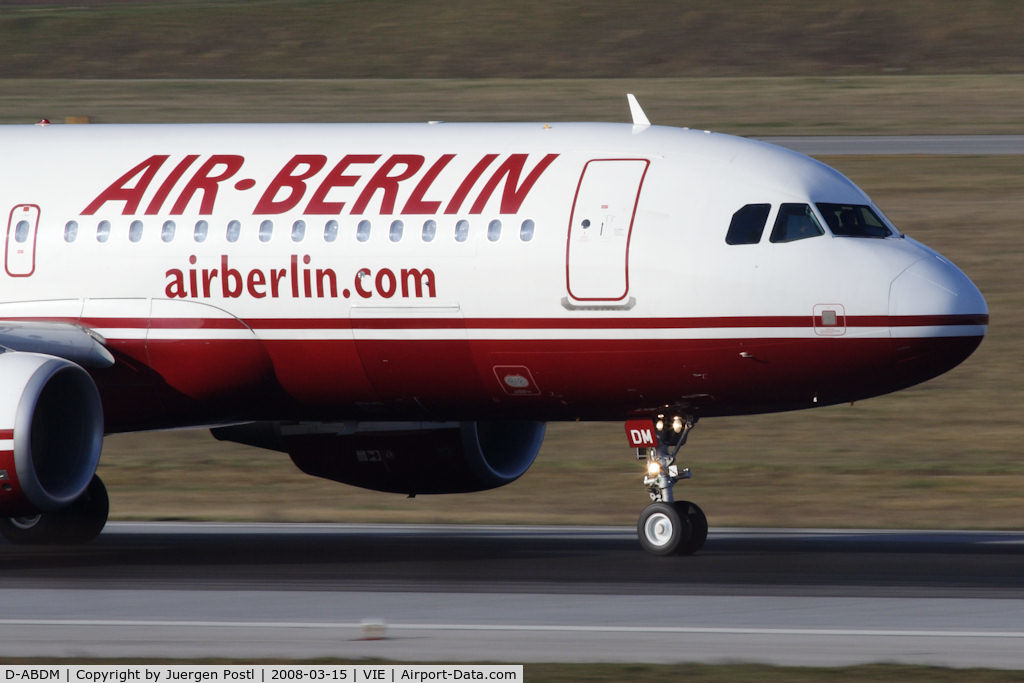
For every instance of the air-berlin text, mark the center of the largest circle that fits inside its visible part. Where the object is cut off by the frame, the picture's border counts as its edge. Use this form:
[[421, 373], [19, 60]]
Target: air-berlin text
[[407, 184], [296, 279]]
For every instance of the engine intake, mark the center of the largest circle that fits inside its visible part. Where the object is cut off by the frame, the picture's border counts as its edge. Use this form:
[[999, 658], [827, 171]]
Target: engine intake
[[51, 433], [409, 458]]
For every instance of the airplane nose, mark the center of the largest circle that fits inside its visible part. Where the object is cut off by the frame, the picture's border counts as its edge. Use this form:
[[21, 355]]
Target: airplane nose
[[937, 318], [933, 286]]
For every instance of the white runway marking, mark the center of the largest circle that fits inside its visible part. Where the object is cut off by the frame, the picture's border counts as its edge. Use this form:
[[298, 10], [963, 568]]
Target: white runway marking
[[519, 594], [554, 628]]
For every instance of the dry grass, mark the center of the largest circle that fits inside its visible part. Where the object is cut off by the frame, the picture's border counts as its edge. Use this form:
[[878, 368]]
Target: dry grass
[[745, 106], [496, 38], [946, 454]]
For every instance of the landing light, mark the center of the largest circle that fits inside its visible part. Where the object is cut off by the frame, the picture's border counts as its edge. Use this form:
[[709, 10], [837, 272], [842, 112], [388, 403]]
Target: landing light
[[677, 424], [653, 468]]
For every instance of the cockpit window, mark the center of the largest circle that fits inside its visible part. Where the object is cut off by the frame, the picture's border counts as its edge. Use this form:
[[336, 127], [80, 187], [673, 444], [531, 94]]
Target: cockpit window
[[748, 224], [853, 220], [795, 222]]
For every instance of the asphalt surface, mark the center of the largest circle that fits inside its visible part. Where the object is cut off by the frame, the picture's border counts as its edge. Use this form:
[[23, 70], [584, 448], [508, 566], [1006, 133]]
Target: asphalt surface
[[518, 594], [826, 145]]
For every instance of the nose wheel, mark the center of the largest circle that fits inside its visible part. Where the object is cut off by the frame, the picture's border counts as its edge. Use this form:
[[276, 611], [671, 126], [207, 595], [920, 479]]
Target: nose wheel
[[677, 528], [666, 526]]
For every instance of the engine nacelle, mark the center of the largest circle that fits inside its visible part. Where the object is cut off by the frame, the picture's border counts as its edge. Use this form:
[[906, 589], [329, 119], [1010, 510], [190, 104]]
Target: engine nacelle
[[51, 433], [409, 458]]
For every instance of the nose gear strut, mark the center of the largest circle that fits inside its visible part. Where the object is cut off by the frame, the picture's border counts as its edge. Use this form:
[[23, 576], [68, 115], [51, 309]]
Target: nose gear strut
[[668, 526]]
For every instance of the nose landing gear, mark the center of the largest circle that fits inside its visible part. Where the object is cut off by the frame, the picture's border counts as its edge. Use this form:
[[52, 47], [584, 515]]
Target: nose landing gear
[[676, 528], [668, 526]]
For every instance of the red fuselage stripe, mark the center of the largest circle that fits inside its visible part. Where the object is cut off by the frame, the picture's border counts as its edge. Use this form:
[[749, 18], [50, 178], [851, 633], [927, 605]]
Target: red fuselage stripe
[[533, 323]]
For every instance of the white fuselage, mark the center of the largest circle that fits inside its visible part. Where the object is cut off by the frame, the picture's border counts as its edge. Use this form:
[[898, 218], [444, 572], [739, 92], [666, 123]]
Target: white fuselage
[[456, 271]]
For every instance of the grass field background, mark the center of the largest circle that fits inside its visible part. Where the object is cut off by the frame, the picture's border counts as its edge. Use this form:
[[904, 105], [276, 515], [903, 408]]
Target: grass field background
[[946, 454], [798, 105], [497, 38]]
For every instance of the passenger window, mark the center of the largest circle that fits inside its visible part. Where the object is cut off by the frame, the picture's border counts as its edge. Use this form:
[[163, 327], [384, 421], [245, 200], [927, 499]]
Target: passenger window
[[234, 230], [71, 231], [429, 230], [853, 220], [363, 231], [266, 231], [298, 230], [494, 230], [135, 231], [795, 222], [462, 231], [526, 230], [103, 231], [167, 233], [397, 228], [330, 231], [747, 224], [202, 229]]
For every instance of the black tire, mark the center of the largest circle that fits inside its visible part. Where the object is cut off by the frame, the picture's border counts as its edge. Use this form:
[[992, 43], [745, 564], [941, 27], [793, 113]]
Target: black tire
[[662, 530], [80, 522], [698, 526]]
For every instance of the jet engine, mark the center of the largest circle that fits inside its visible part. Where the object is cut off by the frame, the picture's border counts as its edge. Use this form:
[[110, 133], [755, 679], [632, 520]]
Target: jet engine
[[409, 457], [51, 433]]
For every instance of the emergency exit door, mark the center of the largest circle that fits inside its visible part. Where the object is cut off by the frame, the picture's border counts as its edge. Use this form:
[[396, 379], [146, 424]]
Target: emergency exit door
[[20, 254], [600, 226]]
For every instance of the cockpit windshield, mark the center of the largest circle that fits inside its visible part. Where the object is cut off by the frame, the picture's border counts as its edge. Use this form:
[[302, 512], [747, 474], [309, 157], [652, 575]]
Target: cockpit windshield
[[795, 222], [853, 220]]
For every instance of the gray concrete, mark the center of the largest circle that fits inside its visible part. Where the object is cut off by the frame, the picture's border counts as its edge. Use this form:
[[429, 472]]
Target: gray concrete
[[517, 595], [514, 628], [825, 145]]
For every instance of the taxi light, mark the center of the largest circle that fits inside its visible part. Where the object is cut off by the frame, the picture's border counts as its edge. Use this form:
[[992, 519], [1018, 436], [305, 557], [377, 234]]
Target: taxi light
[[653, 468]]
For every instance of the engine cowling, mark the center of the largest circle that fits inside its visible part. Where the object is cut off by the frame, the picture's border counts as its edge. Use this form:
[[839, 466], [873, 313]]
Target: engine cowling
[[409, 458], [51, 433]]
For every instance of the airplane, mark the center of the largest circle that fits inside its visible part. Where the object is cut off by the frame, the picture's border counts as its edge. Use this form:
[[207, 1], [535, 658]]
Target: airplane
[[403, 307]]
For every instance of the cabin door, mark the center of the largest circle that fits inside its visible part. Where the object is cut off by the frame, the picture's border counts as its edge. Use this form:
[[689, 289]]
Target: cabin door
[[600, 225], [20, 254]]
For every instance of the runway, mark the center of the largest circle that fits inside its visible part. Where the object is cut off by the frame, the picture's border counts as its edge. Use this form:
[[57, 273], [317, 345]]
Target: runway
[[827, 145], [518, 595]]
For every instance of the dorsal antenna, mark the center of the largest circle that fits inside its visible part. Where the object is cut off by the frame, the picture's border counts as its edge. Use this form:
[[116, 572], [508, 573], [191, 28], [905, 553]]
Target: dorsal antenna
[[636, 111]]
